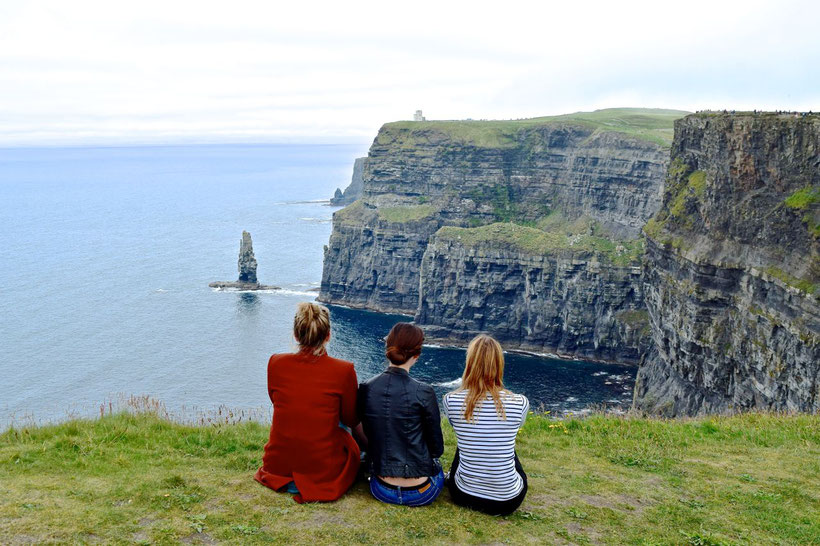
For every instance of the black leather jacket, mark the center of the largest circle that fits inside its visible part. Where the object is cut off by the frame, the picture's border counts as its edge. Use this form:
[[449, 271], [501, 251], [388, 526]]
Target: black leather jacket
[[401, 420]]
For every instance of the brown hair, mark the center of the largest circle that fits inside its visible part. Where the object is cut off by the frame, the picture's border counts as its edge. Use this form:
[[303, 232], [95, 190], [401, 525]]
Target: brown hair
[[311, 326], [483, 373], [403, 343]]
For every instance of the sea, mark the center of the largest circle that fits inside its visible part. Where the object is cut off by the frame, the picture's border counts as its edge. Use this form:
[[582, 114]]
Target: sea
[[105, 258]]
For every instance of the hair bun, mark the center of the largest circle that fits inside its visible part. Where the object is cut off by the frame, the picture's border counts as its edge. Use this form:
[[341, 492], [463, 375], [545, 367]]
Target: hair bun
[[396, 355]]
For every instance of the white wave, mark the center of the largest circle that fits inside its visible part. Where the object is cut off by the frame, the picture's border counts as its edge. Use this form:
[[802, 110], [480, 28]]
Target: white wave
[[161, 290], [287, 292], [598, 374], [614, 401], [239, 291], [449, 384], [572, 399], [616, 377], [316, 220]]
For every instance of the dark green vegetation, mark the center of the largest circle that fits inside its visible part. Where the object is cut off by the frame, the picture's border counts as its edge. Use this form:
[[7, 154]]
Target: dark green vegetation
[[684, 192], [751, 479], [807, 200], [654, 125], [552, 236]]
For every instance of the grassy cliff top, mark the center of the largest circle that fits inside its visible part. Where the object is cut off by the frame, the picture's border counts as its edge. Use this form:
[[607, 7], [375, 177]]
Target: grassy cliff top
[[750, 479], [547, 241], [652, 125]]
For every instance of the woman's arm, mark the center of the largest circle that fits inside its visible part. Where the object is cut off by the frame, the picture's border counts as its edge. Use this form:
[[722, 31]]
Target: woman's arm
[[431, 421], [348, 403]]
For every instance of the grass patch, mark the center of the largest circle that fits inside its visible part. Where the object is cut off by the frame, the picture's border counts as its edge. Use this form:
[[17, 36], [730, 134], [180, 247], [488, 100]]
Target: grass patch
[[805, 285], [354, 213], [533, 240], [807, 199], [637, 319], [803, 198], [749, 479], [651, 125], [410, 213]]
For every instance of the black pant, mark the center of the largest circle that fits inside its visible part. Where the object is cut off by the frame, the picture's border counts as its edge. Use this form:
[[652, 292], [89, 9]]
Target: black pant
[[492, 507]]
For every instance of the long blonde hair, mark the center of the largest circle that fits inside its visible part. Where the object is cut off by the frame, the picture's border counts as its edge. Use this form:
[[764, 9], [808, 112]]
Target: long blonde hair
[[483, 373], [311, 326]]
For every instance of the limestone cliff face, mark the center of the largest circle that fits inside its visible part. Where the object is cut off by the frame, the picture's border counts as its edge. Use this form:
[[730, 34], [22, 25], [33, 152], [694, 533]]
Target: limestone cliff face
[[609, 177], [421, 179], [354, 190], [561, 302], [732, 269], [372, 262]]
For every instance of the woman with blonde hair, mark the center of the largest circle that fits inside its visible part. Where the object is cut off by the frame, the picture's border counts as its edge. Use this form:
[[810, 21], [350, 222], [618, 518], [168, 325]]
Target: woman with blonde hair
[[486, 474], [308, 452]]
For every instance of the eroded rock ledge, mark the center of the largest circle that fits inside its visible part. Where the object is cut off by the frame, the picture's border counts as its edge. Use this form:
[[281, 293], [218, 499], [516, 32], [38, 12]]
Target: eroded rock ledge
[[732, 269]]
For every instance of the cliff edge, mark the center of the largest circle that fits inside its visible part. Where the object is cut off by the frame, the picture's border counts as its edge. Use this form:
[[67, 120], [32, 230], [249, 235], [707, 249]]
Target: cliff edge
[[732, 268], [527, 229]]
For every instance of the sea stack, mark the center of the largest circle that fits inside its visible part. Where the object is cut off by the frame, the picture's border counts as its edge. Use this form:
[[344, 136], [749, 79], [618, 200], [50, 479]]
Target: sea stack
[[247, 270], [247, 261]]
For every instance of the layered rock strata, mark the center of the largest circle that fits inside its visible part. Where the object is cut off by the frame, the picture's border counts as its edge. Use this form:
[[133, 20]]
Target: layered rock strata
[[423, 177], [354, 190], [564, 302], [732, 269]]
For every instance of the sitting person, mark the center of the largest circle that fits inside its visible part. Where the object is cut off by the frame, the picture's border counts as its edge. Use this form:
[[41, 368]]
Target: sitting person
[[486, 474], [309, 452], [402, 423]]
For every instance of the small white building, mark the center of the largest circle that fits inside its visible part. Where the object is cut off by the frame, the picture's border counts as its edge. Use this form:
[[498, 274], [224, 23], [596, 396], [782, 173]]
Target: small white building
[[418, 117]]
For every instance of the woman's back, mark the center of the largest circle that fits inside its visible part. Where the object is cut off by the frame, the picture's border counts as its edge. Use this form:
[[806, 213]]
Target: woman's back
[[486, 444], [311, 395], [308, 393]]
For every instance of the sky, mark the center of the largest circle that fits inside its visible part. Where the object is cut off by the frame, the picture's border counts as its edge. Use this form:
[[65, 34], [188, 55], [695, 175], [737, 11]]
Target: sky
[[177, 71]]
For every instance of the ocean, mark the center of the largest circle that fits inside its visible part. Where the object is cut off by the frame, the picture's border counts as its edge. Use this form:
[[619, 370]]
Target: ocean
[[105, 259]]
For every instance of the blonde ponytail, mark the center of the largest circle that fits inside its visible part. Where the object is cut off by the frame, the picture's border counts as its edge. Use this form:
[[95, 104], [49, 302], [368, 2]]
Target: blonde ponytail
[[311, 326]]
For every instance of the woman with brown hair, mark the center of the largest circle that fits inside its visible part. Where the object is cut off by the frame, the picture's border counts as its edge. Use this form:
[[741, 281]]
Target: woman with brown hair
[[308, 452], [403, 426], [486, 474]]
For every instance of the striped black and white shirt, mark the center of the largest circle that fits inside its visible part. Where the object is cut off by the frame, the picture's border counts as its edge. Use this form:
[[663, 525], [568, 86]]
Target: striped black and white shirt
[[486, 445]]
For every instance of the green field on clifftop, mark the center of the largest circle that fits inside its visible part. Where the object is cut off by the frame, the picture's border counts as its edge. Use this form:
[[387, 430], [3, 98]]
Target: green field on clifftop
[[652, 125], [751, 479], [549, 241]]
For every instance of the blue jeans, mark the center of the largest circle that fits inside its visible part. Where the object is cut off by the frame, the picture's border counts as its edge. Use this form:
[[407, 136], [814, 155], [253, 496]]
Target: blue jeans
[[419, 495]]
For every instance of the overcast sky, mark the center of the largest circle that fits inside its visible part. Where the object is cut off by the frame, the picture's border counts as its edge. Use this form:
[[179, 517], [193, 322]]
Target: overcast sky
[[168, 71]]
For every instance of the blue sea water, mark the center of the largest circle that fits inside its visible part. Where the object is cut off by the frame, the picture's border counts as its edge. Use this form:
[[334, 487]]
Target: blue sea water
[[105, 259]]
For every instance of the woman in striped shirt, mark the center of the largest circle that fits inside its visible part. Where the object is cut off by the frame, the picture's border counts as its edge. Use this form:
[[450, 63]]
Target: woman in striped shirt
[[486, 474]]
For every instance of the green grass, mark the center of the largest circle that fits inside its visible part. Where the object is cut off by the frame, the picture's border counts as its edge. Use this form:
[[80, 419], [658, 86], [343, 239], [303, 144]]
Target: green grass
[[801, 284], [803, 198], [652, 125], [405, 214], [751, 479], [561, 238]]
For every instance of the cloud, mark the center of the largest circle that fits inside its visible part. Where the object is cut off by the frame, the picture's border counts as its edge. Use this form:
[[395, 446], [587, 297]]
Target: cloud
[[100, 71]]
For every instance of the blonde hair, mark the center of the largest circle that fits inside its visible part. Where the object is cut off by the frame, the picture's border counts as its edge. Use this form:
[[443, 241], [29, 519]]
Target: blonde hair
[[483, 373], [311, 326]]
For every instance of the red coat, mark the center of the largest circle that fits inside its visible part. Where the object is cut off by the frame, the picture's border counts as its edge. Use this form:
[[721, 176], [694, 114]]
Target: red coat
[[311, 395]]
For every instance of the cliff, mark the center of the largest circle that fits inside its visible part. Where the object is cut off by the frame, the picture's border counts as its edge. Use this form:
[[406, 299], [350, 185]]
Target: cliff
[[595, 175], [354, 190], [543, 296], [732, 268]]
